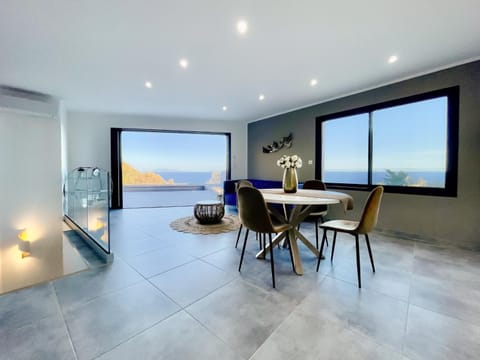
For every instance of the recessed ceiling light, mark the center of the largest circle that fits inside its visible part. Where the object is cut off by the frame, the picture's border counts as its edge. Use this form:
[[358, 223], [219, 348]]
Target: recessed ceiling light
[[313, 82], [224, 108], [242, 27], [261, 97], [183, 63], [148, 84], [392, 59]]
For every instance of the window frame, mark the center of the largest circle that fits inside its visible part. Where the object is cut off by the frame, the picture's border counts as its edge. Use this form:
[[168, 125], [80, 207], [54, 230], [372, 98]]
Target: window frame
[[116, 157], [451, 174]]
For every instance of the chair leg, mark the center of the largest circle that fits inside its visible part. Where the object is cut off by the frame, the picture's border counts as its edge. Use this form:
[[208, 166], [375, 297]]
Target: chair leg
[[290, 251], [367, 240], [316, 232], [271, 259], [238, 235], [333, 245], [357, 250], [243, 249], [316, 227], [321, 248]]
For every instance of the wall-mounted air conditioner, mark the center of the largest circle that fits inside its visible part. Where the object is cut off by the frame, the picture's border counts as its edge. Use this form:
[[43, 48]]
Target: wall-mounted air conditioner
[[25, 101]]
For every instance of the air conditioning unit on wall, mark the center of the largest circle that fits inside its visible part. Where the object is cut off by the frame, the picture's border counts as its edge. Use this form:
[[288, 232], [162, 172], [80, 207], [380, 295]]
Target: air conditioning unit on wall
[[26, 101]]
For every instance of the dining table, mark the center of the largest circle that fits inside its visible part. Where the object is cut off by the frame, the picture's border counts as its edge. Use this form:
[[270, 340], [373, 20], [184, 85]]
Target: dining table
[[296, 208]]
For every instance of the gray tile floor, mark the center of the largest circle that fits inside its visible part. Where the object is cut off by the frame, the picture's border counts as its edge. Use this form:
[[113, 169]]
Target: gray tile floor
[[171, 295]]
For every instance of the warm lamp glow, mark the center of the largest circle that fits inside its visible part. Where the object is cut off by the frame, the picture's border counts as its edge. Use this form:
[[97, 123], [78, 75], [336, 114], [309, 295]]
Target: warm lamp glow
[[99, 225], [23, 235], [24, 248], [24, 244], [104, 236]]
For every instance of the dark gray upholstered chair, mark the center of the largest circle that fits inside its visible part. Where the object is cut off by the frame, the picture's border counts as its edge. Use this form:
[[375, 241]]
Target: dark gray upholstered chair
[[254, 215], [366, 224], [319, 211]]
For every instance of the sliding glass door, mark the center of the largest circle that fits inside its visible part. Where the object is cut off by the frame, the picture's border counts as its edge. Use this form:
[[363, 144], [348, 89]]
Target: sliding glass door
[[166, 168]]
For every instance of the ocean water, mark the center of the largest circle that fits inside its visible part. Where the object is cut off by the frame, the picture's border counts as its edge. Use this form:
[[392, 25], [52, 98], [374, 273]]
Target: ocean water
[[189, 178], [427, 178]]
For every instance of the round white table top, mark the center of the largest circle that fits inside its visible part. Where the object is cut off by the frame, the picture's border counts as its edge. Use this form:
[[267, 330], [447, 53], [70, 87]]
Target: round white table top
[[298, 198]]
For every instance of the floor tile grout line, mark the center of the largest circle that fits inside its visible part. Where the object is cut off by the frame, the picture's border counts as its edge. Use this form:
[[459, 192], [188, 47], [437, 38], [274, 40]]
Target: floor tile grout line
[[57, 301], [215, 266], [148, 252], [180, 308], [450, 316], [262, 290], [47, 283], [108, 293], [183, 307], [405, 330], [368, 289], [139, 333], [166, 295], [213, 334], [160, 273], [354, 330], [285, 319], [155, 287]]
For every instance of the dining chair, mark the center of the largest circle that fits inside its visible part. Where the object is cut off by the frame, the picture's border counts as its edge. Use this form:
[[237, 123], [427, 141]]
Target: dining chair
[[238, 185], [318, 211], [254, 215], [365, 225], [272, 211]]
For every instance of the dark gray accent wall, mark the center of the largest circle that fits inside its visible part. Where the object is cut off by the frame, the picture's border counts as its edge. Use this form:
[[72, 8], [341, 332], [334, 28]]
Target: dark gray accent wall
[[453, 220]]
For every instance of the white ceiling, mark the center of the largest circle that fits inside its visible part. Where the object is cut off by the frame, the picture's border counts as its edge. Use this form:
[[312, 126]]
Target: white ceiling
[[97, 54]]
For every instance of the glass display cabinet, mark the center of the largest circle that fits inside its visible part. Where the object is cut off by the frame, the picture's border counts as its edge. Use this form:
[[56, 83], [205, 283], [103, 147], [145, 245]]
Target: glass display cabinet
[[87, 204]]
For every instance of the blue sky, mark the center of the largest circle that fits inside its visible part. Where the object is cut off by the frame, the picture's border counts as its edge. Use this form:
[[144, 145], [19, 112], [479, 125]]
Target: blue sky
[[408, 137], [149, 151]]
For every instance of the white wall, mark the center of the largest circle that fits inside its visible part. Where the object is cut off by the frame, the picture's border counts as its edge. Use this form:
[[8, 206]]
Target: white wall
[[30, 193], [88, 136]]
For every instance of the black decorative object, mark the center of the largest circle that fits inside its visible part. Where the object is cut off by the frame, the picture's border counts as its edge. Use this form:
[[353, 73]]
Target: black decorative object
[[209, 212], [277, 145]]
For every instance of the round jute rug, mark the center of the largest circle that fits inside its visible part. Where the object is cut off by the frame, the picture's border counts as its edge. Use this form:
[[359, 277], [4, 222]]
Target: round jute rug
[[190, 225]]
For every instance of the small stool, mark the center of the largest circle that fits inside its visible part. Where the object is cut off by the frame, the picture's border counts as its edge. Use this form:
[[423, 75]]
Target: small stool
[[209, 212]]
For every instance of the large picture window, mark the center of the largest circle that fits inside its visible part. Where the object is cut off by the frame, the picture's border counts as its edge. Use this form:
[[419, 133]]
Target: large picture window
[[163, 168], [408, 145]]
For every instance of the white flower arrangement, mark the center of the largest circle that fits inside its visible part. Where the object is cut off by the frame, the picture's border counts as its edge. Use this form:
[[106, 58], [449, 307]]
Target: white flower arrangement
[[288, 162]]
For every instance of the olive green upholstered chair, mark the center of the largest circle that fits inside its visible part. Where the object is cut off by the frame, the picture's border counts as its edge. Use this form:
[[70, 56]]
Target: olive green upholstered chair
[[319, 211], [365, 225], [238, 185], [254, 215]]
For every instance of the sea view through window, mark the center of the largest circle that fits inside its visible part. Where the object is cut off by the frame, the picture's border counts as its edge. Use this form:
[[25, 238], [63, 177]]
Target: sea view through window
[[164, 168], [408, 145]]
